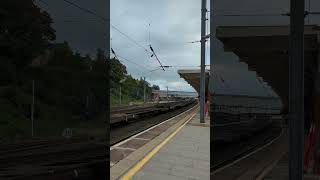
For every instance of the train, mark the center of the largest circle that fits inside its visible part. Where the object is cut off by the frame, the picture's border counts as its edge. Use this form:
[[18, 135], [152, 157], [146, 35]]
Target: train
[[127, 114]]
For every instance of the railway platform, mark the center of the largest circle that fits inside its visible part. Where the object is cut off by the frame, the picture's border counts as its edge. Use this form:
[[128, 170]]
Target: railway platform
[[182, 151]]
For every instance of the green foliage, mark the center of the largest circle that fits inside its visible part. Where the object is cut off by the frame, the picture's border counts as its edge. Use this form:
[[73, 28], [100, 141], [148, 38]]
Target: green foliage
[[25, 31], [70, 89], [132, 90], [155, 87]]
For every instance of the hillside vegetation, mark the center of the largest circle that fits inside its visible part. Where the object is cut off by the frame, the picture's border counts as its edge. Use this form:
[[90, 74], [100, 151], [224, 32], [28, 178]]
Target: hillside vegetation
[[132, 90], [70, 89]]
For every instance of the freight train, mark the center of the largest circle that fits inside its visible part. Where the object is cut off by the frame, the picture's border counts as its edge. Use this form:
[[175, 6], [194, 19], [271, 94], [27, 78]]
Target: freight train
[[132, 113]]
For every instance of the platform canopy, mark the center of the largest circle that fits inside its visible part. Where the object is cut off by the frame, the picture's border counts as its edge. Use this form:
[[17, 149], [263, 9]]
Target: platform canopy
[[265, 50], [192, 76]]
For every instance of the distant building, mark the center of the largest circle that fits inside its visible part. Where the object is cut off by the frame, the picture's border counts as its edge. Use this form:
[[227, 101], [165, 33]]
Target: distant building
[[158, 95]]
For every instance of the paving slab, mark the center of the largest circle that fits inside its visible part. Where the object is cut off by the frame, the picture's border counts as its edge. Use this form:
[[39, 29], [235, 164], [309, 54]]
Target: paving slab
[[128, 153], [186, 156]]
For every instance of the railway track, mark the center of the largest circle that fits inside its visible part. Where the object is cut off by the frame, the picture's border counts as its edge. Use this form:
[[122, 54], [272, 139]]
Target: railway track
[[136, 112], [78, 157], [53, 159], [144, 119], [238, 131], [224, 153]]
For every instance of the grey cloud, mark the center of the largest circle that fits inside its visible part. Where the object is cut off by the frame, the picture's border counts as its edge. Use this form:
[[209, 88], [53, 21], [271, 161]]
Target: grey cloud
[[83, 31], [173, 23]]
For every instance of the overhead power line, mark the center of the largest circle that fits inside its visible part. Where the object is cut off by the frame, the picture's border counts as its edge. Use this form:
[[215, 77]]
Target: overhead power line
[[115, 55], [155, 70], [120, 58], [182, 66], [139, 67], [133, 62], [156, 58], [104, 20], [160, 68], [194, 42], [150, 33], [86, 10], [265, 14], [128, 37]]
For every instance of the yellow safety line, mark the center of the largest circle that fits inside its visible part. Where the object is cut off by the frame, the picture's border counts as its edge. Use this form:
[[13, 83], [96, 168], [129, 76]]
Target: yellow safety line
[[143, 161]]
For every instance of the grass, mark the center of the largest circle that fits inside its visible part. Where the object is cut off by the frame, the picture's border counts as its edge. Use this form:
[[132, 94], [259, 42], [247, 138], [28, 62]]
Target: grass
[[49, 122], [12, 124], [124, 101]]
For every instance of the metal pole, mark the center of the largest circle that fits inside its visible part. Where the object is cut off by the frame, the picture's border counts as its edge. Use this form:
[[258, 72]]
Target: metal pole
[[107, 126], [296, 90], [167, 94], [108, 30], [32, 110], [203, 52], [120, 94], [144, 89], [212, 48]]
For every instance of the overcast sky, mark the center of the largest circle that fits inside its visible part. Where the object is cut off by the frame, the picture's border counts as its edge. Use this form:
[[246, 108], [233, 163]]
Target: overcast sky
[[84, 32], [173, 23]]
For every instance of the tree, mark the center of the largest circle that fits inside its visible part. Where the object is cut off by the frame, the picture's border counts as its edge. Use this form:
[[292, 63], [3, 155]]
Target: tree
[[155, 87], [25, 31], [118, 72]]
